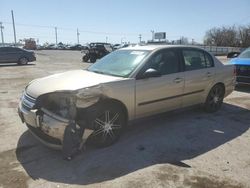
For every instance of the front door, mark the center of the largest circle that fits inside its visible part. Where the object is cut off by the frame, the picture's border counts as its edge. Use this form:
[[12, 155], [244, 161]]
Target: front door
[[162, 93]]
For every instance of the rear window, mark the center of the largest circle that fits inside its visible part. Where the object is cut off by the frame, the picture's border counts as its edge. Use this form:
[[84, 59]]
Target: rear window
[[196, 59]]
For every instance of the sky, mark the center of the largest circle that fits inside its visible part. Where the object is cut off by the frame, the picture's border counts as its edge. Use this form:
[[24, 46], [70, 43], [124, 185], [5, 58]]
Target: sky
[[118, 21]]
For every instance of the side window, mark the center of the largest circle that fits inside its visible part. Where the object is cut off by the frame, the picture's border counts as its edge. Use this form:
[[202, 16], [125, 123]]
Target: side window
[[209, 60], [194, 60], [10, 49], [166, 62], [15, 50], [4, 49]]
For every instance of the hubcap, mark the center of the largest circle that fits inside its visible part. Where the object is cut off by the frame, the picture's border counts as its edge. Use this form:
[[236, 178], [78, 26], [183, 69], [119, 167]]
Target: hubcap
[[23, 61], [107, 124], [216, 99]]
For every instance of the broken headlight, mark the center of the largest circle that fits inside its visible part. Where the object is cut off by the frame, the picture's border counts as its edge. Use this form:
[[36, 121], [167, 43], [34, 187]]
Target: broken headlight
[[62, 104]]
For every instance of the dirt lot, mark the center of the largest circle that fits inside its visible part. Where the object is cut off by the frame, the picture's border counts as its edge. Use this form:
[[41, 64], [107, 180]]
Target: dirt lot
[[181, 149]]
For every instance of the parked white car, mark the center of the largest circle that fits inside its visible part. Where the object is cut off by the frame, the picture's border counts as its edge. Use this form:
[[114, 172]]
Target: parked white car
[[95, 104]]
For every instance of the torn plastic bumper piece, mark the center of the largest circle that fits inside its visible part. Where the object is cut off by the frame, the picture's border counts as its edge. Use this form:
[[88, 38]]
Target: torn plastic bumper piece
[[48, 127]]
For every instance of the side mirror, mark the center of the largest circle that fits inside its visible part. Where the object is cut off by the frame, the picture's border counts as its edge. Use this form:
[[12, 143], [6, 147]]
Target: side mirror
[[233, 54], [151, 73]]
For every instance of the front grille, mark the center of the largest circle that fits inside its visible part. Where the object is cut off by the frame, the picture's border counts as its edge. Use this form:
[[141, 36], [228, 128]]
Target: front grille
[[28, 102]]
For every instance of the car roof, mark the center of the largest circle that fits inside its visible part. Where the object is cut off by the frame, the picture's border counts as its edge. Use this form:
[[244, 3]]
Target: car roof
[[102, 43], [157, 47], [10, 47]]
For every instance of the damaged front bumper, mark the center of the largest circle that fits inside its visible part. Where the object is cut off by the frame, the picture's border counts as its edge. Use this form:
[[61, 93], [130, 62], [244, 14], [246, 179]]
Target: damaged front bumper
[[46, 126]]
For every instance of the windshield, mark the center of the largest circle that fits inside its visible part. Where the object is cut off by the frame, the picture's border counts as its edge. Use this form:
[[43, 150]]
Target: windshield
[[245, 54], [119, 63]]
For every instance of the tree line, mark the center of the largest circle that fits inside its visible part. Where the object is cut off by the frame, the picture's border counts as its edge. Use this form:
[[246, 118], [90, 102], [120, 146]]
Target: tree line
[[233, 36]]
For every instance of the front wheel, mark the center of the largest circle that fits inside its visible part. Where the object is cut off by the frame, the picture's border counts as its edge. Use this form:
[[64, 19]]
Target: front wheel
[[23, 61], [214, 99], [108, 124]]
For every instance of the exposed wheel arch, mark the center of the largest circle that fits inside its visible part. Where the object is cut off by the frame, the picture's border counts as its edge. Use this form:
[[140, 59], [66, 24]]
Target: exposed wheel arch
[[86, 118], [20, 62], [90, 111], [221, 84], [116, 102], [214, 98]]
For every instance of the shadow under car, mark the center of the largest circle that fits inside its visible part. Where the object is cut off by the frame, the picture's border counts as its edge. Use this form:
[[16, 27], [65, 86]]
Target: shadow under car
[[165, 138]]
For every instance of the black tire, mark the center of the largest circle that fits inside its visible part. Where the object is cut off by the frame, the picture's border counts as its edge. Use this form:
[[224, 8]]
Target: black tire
[[92, 59], [108, 122], [23, 61], [85, 58], [214, 99]]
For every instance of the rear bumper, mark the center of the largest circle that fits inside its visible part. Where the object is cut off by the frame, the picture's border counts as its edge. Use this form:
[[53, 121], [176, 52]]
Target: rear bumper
[[243, 80]]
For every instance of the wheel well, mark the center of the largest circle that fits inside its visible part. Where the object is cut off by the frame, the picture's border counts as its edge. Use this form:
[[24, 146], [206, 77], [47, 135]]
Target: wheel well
[[23, 57], [221, 84], [119, 104]]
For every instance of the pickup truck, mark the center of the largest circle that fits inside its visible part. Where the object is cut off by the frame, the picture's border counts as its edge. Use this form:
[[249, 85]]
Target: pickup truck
[[95, 104]]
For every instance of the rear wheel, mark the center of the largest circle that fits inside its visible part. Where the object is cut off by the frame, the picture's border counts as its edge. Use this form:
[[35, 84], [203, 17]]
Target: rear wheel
[[215, 98], [108, 124], [23, 61], [85, 58]]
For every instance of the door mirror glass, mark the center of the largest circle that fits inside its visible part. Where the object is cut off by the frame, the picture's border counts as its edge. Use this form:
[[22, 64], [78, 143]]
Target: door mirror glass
[[151, 73]]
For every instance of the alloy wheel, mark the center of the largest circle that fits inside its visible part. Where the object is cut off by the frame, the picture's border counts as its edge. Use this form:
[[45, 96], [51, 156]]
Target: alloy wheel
[[215, 98], [107, 126], [23, 61]]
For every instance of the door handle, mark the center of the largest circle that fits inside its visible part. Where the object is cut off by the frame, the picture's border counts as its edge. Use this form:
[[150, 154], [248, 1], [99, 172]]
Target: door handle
[[178, 80], [209, 74]]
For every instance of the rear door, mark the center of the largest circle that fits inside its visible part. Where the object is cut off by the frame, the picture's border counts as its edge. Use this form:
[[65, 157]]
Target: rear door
[[10, 54], [15, 54], [163, 93], [199, 75]]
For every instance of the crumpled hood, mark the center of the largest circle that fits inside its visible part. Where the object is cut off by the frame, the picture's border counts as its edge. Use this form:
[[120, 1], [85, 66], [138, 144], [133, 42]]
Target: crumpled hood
[[71, 80]]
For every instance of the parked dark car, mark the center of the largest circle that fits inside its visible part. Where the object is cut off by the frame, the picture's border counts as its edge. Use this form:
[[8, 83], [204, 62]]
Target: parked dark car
[[16, 55], [242, 64], [96, 51], [76, 47]]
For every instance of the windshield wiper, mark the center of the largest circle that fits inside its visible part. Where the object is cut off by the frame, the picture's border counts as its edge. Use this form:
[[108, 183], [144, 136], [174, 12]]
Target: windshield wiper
[[106, 73], [99, 72]]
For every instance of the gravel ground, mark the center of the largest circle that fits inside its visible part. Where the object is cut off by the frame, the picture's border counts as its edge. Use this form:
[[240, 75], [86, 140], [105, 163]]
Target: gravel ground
[[188, 148]]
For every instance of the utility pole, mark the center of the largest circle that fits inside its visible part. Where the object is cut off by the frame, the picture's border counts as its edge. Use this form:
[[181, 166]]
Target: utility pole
[[14, 28], [153, 33], [140, 38], [122, 40], [56, 34], [106, 39], [1, 27], [77, 34]]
